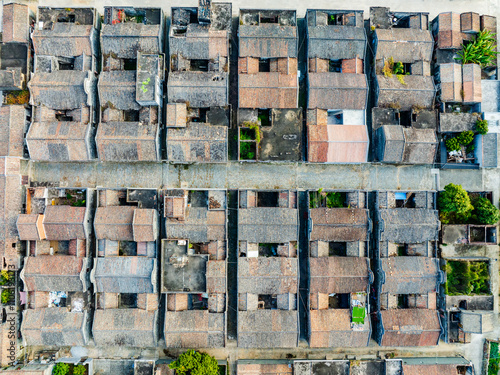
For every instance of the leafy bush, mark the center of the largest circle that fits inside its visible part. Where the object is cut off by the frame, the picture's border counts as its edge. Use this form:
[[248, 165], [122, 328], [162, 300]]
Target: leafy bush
[[482, 126], [452, 144], [195, 363], [466, 137], [247, 151], [467, 278], [79, 370], [455, 204], [334, 199], [60, 369], [17, 97], [6, 296], [485, 212], [4, 277], [480, 51]]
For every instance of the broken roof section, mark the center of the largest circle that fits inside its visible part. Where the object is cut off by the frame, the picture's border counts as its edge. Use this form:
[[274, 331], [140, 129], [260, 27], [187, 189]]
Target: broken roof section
[[267, 33], [333, 137], [66, 33], [127, 30], [14, 46], [335, 34]]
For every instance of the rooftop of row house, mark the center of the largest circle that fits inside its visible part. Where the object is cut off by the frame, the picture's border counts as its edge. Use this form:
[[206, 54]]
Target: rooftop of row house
[[14, 51], [63, 86], [337, 86], [198, 114], [408, 271], [405, 89], [267, 269], [397, 366], [125, 271], [56, 228], [194, 268], [131, 84], [339, 269]]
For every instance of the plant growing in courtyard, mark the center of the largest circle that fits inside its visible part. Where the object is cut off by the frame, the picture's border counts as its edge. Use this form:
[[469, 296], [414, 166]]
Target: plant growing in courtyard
[[195, 363], [60, 369], [480, 51], [452, 144], [79, 370], [481, 126], [484, 212]]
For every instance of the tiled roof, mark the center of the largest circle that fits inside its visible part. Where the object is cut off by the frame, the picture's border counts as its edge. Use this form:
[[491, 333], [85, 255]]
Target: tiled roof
[[64, 39], [194, 329], [338, 274], [337, 143], [59, 90], [268, 90], [198, 142], [339, 224], [449, 31], [267, 329], [53, 273], [114, 223], [59, 141], [15, 23], [117, 89], [199, 42], [64, 223], [268, 224], [125, 274], [12, 124], [54, 326], [30, 227], [145, 225], [125, 327], [431, 369], [336, 42], [337, 90], [216, 276], [200, 225], [417, 90], [405, 45], [263, 275], [127, 141], [423, 224], [410, 327], [267, 40], [123, 40], [264, 369], [332, 328], [410, 275], [199, 89]]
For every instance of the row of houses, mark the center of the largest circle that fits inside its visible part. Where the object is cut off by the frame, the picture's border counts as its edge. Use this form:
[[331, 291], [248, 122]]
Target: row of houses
[[95, 269], [396, 366], [99, 86]]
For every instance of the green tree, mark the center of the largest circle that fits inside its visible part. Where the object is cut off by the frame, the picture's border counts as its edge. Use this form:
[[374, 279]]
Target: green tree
[[454, 203], [195, 363], [482, 126], [485, 212], [466, 137], [60, 369], [480, 51]]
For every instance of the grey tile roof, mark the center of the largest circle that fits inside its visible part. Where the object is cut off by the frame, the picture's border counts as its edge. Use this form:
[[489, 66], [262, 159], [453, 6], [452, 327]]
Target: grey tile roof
[[61, 90], [123, 40], [267, 329], [54, 326], [410, 275], [64, 39], [405, 45], [117, 89], [125, 327], [268, 224], [12, 124], [200, 89], [267, 40], [337, 91], [409, 225], [339, 224], [417, 90], [125, 274], [336, 42], [263, 275], [338, 274]]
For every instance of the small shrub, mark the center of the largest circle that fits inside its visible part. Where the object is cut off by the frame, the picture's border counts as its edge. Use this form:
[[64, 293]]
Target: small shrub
[[466, 137], [61, 369], [452, 144], [79, 370], [480, 51], [334, 199], [6, 296], [482, 126], [398, 68], [247, 150], [494, 363], [470, 148], [17, 97], [401, 79], [4, 277], [485, 212]]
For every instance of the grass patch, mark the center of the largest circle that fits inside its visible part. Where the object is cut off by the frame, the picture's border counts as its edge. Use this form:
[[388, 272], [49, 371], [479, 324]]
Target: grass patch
[[467, 278], [494, 362]]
